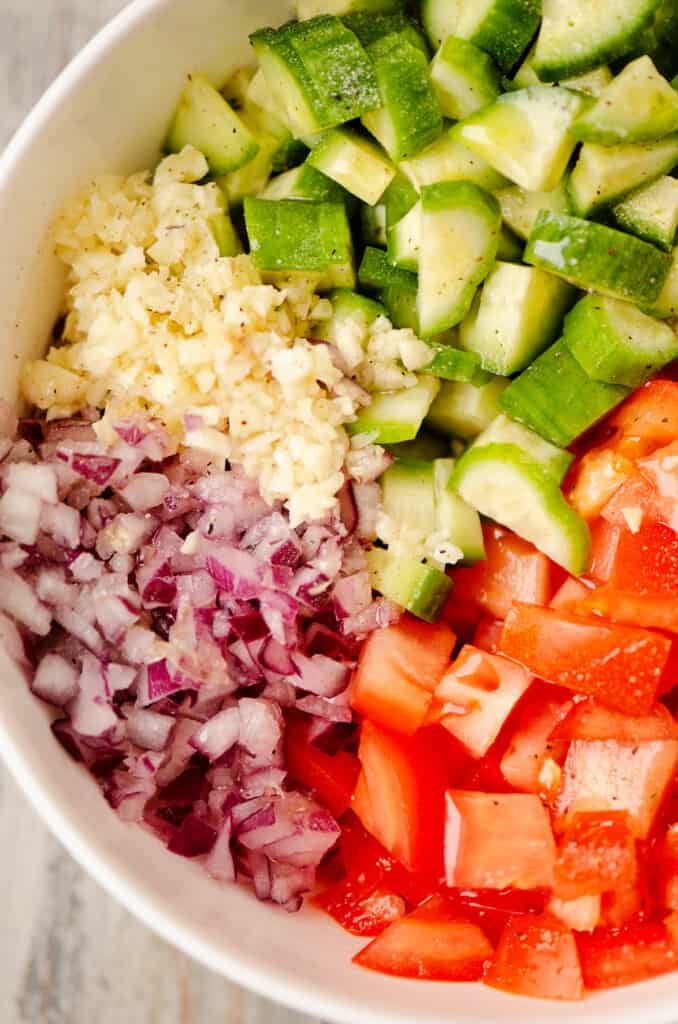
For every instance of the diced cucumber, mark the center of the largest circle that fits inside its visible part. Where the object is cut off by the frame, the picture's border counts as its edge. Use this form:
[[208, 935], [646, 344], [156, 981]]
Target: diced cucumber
[[503, 28], [638, 105], [275, 146], [510, 248], [448, 160], [593, 256], [370, 27], [557, 399], [651, 212], [424, 447], [409, 117], [525, 76], [616, 343], [397, 288], [440, 18], [408, 497], [417, 587], [464, 77], [455, 516], [603, 174], [577, 35], [348, 308], [450, 363], [399, 198], [460, 225], [288, 237], [464, 410], [506, 485], [591, 83], [404, 240], [260, 94], [354, 162], [312, 8], [225, 235], [319, 70], [396, 415], [204, 119], [519, 209], [502, 430], [373, 224], [667, 303], [525, 135], [304, 182], [518, 312]]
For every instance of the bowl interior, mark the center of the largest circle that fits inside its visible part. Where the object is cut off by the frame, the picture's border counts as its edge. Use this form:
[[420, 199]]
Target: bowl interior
[[107, 114]]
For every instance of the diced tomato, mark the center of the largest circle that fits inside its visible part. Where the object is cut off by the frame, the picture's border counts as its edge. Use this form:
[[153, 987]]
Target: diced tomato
[[431, 942], [361, 909], [620, 666], [633, 609], [633, 903], [621, 956], [569, 594], [368, 863], [491, 909], [330, 777], [646, 562], [589, 720], [460, 615], [539, 714], [602, 775], [596, 853], [604, 543], [581, 914], [537, 956], [476, 695], [650, 413], [633, 503], [498, 841], [399, 669], [512, 571], [665, 862], [400, 794], [599, 475], [486, 636]]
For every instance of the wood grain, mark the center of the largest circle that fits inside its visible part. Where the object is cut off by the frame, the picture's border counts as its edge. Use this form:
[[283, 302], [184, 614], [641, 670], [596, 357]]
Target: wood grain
[[69, 954]]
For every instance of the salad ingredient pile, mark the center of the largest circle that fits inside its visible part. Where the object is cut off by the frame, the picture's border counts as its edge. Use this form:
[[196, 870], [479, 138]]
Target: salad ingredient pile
[[344, 535]]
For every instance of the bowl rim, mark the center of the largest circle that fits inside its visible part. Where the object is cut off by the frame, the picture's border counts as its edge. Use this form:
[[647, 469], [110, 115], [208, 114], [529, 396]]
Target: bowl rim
[[304, 997]]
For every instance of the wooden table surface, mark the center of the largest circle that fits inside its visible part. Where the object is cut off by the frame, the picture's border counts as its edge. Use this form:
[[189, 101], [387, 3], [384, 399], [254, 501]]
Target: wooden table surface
[[69, 954]]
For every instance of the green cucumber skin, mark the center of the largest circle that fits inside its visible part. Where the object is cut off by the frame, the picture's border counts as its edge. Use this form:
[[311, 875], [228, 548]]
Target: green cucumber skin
[[420, 589], [506, 31], [373, 225], [376, 271], [597, 257], [520, 208], [543, 486], [556, 399], [451, 363], [502, 430], [555, 66], [399, 198], [355, 163], [633, 217], [290, 236], [440, 19], [387, 422], [658, 158], [369, 27], [595, 343], [477, 70], [304, 182]]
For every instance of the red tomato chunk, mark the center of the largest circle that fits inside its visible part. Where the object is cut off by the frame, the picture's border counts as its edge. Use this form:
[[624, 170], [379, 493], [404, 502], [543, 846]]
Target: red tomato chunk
[[622, 956], [596, 853], [537, 956]]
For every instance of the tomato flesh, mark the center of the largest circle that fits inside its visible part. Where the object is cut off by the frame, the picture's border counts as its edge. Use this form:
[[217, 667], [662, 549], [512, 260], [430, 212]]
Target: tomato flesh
[[537, 956], [650, 413], [596, 853], [589, 720], [361, 909], [544, 707], [330, 777], [646, 562], [621, 956]]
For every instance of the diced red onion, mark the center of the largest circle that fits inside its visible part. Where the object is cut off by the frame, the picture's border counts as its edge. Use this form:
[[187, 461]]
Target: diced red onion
[[38, 480], [193, 838], [219, 863], [55, 680], [367, 497], [320, 675], [62, 523], [145, 491], [218, 734], [20, 515], [148, 729], [18, 599]]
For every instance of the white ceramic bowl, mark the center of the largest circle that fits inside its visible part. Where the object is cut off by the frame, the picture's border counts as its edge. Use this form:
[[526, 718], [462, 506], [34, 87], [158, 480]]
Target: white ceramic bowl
[[107, 112]]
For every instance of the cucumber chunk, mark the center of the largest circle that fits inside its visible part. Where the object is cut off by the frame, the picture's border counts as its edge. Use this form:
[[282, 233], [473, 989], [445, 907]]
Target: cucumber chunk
[[506, 485], [396, 416], [370, 27], [464, 77], [319, 70], [396, 288], [518, 312], [373, 224], [591, 83], [616, 343], [638, 105], [667, 303], [288, 237], [593, 256], [603, 174], [448, 160], [651, 213], [460, 225], [577, 35], [502, 28], [459, 520], [450, 363], [510, 248], [404, 240], [350, 311], [525, 135], [417, 587], [557, 399], [204, 119], [502, 430], [439, 18], [353, 162], [464, 410], [519, 209], [224, 233], [312, 8], [304, 182], [409, 117], [408, 496], [424, 448], [399, 198]]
